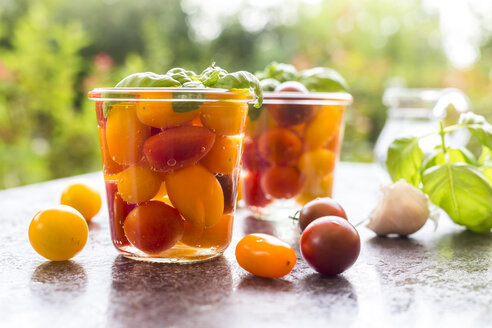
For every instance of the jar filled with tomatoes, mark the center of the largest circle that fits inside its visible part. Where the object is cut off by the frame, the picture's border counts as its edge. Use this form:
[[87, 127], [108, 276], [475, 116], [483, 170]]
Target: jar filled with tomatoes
[[171, 157], [292, 145]]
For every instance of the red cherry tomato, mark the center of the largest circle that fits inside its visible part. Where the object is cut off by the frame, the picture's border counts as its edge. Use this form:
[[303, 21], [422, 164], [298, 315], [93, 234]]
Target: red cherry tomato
[[279, 145], [265, 256], [330, 245], [153, 227], [178, 147], [252, 161], [252, 193], [291, 114], [317, 208], [281, 182]]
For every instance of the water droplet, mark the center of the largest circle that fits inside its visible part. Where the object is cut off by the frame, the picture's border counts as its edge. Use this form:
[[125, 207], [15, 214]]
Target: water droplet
[[171, 162], [220, 175], [203, 149], [223, 148]]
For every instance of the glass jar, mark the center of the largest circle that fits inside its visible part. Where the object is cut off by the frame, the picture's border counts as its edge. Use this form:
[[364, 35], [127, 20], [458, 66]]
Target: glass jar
[[415, 112], [290, 151], [171, 162]]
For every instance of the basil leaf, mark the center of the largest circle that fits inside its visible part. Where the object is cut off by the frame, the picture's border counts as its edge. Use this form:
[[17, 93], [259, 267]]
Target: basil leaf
[[455, 155], [241, 80], [187, 106], [462, 192], [487, 173], [254, 113], [211, 75], [323, 79], [478, 127], [269, 84], [107, 105], [181, 75], [148, 80], [193, 84], [280, 72], [405, 160]]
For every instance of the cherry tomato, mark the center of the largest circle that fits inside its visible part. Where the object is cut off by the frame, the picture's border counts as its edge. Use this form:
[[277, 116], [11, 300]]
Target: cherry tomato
[[281, 182], [224, 155], [265, 255], [317, 163], [291, 114], [217, 236], [324, 127], [110, 167], [197, 194], [153, 227], [314, 187], [252, 161], [330, 245], [58, 233], [83, 198], [224, 118], [178, 147], [252, 193], [228, 183], [118, 210], [138, 184], [279, 145], [317, 208], [160, 114], [125, 134]]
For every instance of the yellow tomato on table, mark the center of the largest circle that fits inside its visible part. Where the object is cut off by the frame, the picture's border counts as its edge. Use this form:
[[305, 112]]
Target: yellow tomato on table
[[83, 198]]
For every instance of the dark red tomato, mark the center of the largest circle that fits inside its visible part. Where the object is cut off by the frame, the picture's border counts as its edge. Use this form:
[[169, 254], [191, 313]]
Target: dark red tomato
[[178, 147], [281, 181], [279, 145], [330, 245], [317, 208], [229, 188], [118, 210], [252, 160], [153, 227], [291, 114], [252, 193]]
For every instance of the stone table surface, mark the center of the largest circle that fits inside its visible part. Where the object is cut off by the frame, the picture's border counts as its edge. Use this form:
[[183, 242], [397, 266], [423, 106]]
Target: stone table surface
[[435, 278]]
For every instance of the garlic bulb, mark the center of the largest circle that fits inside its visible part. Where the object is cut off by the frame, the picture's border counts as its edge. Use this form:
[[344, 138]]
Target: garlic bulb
[[402, 209]]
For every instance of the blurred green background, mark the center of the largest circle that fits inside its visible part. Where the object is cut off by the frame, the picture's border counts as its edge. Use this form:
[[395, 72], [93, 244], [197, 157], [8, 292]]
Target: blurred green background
[[53, 51]]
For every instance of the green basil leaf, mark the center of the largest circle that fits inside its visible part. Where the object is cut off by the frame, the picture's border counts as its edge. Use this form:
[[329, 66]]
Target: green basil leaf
[[181, 75], [478, 127], [405, 160], [280, 72], [241, 80], [211, 75], [455, 155], [187, 106], [323, 79], [148, 80], [254, 113], [485, 156], [269, 84], [487, 173], [462, 192], [193, 84]]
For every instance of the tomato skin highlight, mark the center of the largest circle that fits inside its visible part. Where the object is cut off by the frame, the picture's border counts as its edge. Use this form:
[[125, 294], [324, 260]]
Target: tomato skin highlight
[[153, 227], [265, 256], [317, 208], [330, 245]]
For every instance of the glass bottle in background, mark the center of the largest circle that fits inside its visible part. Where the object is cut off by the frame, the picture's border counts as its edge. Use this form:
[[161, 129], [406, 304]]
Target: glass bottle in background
[[417, 112]]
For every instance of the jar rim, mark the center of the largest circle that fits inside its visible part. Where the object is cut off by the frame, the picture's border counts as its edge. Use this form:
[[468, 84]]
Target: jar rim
[[310, 98]]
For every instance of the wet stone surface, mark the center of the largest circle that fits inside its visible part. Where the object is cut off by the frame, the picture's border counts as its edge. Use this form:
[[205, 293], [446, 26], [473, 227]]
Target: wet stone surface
[[440, 278]]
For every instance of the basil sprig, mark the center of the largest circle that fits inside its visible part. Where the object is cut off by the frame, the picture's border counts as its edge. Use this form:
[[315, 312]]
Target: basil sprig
[[453, 178]]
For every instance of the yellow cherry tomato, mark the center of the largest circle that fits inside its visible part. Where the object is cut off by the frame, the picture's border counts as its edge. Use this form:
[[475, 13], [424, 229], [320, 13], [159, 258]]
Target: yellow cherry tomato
[[125, 134], [217, 236], [323, 127], [160, 114], [197, 195], [317, 163], [58, 233], [224, 155], [83, 198], [138, 184], [316, 187], [225, 118]]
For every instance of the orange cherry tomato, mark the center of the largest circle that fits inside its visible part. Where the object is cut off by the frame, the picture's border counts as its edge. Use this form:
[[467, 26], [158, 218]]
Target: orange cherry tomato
[[317, 163], [153, 227], [265, 256], [178, 147], [110, 167], [217, 236], [225, 118], [324, 127], [281, 181], [125, 134], [314, 187], [279, 145], [197, 194], [137, 184], [224, 155], [160, 114]]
